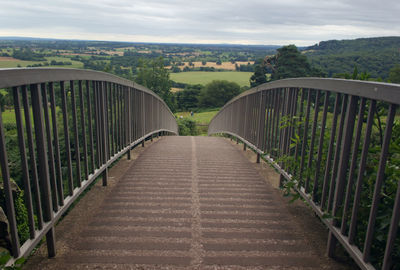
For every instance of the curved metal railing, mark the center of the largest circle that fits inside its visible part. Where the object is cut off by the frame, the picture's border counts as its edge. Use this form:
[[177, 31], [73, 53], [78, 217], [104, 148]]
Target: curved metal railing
[[69, 126], [331, 140]]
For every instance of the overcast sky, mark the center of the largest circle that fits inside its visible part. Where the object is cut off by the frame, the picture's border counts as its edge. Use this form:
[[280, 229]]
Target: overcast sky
[[269, 22]]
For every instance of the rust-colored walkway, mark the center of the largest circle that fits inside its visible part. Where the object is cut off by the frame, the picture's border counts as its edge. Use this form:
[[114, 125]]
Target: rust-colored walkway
[[190, 202]]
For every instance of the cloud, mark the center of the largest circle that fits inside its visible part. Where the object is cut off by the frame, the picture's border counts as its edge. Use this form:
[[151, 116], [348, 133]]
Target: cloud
[[281, 22]]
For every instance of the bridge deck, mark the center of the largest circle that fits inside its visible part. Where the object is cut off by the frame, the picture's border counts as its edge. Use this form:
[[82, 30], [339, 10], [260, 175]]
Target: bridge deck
[[189, 202]]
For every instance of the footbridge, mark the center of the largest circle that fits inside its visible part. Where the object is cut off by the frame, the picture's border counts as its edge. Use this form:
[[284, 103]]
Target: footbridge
[[197, 202]]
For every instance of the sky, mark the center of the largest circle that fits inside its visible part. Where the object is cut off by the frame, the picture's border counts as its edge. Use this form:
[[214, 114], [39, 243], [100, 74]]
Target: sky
[[267, 22]]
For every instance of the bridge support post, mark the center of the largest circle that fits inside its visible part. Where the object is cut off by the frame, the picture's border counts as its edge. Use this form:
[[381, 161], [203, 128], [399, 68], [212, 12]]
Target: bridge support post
[[143, 142], [105, 175], [244, 146], [258, 157], [128, 154], [237, 140], [332, 242], [151, 137], [281, 180]]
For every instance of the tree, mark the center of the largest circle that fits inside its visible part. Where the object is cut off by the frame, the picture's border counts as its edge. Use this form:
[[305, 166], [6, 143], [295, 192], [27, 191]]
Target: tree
[[217, 93], [154, 76], [394, 74], [259, 76], [188, 98], [290, 63]]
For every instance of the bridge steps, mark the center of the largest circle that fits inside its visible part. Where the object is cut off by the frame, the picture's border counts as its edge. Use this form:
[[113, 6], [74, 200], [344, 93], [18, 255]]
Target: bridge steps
[[190, 203]]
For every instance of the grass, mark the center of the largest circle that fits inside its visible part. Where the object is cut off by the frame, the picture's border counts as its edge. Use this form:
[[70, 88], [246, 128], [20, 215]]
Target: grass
[[16, 62], [8, 116], [202, 118], [203, 77]]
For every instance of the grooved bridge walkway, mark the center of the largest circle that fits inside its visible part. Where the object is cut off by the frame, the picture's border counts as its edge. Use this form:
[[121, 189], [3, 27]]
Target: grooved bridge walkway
[[190, 203]]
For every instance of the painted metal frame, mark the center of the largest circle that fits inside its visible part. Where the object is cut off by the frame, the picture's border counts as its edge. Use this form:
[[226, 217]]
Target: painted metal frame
[[280, 121], [103, 118]]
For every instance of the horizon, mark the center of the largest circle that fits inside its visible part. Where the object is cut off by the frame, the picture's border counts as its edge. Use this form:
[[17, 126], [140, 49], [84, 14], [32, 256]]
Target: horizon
[[31, 38], [238, 22]]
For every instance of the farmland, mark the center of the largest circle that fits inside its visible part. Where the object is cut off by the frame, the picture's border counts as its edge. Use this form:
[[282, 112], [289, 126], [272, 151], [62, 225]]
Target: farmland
[[202, 118], [10, 62], [202, 77]]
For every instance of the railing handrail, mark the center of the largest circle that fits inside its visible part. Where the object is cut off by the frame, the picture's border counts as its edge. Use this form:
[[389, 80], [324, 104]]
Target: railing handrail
[[103, 118], [10, 77], [388, 92], [281, 121]]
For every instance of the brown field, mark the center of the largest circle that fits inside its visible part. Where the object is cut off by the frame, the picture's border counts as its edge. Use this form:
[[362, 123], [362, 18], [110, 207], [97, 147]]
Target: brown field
[[8, 59], [174, 89], [224, 65]]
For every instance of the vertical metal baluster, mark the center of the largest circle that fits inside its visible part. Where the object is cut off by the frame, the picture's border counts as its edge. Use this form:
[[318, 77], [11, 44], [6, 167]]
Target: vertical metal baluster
[[66, 138], [350, 180], [76, 135], [96, 122], [100, 121], [60, 184], [52, 169], [8, 197], [291, 112], [378, 183], [320, 147], [143, 117], [292, 128], [272, 137], [122, 108], [106, 134], [246, 112], [283, 130], [301, 105], [129, 139], [24, 163], [277, 120], [134, 115], [343, 165], [305, 136], [43, 168], [325, 185], [83, 126], [311, 150], [119, 117], [394, 225], [112, 91], [261, 124], [269, 121], [90, 125], [103, 125], [124, 114], [255, 116], [337, 153], [361, 170], [32, 157], [289, 127]]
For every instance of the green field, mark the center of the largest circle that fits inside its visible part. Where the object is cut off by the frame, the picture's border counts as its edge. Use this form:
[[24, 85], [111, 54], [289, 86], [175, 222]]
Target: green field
[[16, 62], [202, 118], [203, 77]]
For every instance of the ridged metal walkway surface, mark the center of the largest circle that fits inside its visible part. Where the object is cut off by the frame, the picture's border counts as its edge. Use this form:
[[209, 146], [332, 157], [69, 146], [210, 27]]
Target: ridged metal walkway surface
[[191, 203]]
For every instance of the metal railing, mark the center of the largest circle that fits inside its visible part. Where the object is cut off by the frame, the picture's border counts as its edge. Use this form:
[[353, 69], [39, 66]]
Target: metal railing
[[71, 125], [331, 140]]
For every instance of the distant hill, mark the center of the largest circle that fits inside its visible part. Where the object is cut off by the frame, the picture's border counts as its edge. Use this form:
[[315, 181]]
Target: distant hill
[[373, 55]]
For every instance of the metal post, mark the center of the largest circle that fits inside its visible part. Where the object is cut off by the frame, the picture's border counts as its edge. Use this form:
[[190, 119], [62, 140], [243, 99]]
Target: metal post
[[10, 210], [43, 168]]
